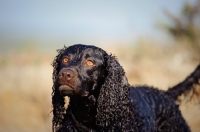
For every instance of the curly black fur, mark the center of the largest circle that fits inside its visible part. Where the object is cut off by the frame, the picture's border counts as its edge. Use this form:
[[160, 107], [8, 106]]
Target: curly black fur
[[114, 100], [57, 100], [101, 98]]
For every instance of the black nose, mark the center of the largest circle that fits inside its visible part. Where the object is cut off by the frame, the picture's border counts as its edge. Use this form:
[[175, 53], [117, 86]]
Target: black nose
[[66, 74]]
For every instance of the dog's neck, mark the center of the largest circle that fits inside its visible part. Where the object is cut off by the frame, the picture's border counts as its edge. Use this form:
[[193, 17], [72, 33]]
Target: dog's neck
[[84, 110]]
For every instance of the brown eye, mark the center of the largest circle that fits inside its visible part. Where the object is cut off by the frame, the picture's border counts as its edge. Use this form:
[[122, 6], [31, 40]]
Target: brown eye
[[65, 60], [89, 63]]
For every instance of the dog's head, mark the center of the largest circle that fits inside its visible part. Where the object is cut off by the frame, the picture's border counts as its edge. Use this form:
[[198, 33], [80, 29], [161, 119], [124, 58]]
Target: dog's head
[[84, 70], [81, 70]]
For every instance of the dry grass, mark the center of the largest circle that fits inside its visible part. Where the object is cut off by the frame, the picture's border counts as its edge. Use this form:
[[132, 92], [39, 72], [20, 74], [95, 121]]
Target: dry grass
[[26, 81], [25, 99]]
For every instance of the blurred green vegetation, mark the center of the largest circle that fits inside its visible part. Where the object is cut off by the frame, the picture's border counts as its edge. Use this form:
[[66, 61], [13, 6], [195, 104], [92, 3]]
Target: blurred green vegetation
[[186, 26]]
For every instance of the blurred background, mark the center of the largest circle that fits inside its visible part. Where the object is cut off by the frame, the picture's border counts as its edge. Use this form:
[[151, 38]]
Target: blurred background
[[157, 43]]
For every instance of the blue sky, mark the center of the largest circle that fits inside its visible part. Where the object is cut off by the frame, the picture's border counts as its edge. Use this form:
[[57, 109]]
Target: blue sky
[[82, 21]]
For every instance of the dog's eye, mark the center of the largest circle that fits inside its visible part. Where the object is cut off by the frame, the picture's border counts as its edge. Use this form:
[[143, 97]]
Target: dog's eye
[[89, 63], [65, 60]]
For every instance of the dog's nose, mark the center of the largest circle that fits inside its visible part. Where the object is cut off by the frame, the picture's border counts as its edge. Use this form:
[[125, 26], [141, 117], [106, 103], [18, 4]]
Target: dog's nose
[[66, 74]]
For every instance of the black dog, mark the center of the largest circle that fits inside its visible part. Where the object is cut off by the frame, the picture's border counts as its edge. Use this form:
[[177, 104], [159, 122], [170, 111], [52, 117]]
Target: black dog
[[101, 98]]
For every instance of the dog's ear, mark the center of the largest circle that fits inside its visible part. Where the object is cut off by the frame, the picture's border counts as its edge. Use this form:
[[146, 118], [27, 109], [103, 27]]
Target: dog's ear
[[113, 99], [57, 100]]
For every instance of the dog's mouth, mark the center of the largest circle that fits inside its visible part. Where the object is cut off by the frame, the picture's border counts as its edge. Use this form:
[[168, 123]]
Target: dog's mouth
[[66, 90]]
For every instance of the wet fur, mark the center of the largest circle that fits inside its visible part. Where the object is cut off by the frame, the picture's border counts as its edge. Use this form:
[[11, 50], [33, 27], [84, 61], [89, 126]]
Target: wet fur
[[117, 106]]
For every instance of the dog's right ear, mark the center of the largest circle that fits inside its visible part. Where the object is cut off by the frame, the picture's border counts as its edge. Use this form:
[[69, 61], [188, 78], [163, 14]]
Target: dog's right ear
[[57, 100]]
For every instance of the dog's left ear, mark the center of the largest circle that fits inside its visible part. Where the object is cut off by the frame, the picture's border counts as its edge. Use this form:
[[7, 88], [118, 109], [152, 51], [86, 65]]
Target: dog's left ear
[[113, 99], [57, 100]]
